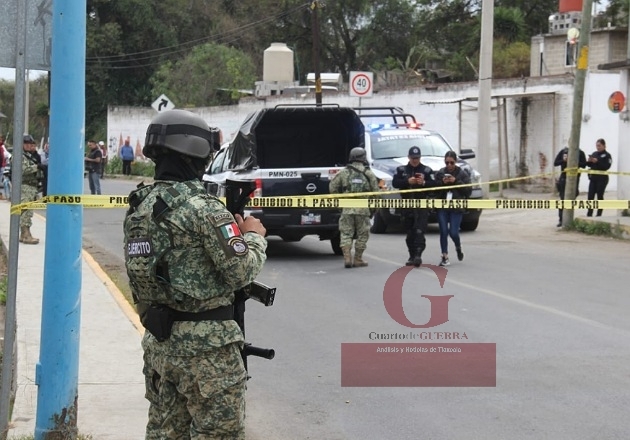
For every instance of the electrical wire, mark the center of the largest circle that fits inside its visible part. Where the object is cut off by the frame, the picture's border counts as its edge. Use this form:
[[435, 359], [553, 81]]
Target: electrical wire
[[158, 54]]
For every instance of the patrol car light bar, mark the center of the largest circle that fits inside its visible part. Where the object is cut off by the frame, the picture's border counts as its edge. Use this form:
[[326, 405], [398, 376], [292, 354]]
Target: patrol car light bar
[[377, 127]]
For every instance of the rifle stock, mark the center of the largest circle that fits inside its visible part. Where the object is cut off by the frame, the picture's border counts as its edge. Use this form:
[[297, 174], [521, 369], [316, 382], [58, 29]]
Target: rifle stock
[[236, 197]]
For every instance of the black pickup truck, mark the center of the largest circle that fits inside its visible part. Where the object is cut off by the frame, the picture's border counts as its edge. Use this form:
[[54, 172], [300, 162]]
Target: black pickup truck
[[290, 150]]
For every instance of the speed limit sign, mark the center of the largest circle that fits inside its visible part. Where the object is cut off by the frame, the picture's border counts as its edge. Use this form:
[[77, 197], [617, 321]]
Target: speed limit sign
[[361, 84]]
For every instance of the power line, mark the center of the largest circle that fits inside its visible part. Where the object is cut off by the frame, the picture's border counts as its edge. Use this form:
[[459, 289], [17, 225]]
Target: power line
[[160, 53]]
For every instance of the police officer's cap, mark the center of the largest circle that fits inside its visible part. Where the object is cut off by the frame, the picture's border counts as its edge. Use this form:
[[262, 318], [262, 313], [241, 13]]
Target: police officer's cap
[[357, 154], [414, 153], [180, 131], [28, 139]]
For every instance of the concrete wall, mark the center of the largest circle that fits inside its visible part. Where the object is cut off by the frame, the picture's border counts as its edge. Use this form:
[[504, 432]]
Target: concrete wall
[[606, 46], [445, 108]]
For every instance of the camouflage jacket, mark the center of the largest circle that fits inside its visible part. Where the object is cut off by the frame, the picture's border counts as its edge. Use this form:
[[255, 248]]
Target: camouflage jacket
[[30, 171], [207, 259], [355, 178]]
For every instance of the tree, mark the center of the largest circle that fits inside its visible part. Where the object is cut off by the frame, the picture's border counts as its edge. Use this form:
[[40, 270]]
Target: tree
[[535, 14], [510, 60], [210, 75], [616, 14]]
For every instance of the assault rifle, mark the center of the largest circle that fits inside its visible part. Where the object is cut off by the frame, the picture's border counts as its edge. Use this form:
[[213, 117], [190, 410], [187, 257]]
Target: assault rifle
[[236, 197]]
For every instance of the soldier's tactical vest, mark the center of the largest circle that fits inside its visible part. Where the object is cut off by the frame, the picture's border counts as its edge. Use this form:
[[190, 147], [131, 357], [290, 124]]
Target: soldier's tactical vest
[[357, 181], [149, 241]]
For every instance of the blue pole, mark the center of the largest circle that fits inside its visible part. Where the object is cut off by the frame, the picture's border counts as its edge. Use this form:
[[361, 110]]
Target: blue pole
[[57, 374]]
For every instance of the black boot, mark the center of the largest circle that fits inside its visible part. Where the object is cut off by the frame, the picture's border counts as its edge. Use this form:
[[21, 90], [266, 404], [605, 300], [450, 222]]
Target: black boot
[[412, 255], [417, 259]]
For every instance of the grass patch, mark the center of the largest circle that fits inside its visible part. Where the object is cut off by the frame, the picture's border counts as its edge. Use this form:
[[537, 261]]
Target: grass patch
[[3, 290], [592, 228], [145, 169], [138, 168]]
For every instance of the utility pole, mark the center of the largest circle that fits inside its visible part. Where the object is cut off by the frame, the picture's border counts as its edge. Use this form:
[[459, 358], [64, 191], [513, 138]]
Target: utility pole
[[578, 101], [10, 325], [57, 372], [315, 24], [485, 92]]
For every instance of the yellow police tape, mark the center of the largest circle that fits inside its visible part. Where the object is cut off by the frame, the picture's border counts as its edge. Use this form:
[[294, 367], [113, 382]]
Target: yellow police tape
[[373, 200], [324, 202]]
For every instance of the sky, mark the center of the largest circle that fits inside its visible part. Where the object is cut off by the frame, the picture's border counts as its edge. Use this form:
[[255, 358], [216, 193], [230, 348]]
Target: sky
[[9, 74]]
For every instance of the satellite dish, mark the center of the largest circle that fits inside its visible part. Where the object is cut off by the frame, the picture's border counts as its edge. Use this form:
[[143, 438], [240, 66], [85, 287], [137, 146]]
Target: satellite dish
[[572, 35]]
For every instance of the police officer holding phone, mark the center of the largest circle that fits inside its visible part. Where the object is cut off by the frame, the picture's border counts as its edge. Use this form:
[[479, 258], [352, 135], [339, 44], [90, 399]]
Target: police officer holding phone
[[414, 175], [598, 160]]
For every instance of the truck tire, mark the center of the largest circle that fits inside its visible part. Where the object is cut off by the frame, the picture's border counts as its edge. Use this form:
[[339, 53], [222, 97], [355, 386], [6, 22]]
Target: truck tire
[[335, 243], [469, 226], [378, 224]]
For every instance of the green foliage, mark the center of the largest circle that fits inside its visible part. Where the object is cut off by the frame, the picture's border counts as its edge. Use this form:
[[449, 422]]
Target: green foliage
[[217, 73], [190, 48], [114, 165], [510, 60], [138, 168], [141, 168], [38, 99], [591, 228], [616, 14], [535, 14], [509, 25], [3, 290]]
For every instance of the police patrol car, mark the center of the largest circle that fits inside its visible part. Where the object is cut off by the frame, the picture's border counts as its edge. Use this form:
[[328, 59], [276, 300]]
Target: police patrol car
[[389, 133], [291, 150]]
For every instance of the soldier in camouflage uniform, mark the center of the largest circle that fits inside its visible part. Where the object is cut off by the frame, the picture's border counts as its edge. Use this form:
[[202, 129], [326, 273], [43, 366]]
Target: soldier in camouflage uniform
[[185, 256], [31, 173], [354, 222]]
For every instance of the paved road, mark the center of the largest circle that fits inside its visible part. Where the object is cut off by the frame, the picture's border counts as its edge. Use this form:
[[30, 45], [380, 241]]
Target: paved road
[[554, 302]]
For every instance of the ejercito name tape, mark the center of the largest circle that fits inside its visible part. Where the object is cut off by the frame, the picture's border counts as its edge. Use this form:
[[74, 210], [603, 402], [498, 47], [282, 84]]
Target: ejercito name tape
[[314, 202]]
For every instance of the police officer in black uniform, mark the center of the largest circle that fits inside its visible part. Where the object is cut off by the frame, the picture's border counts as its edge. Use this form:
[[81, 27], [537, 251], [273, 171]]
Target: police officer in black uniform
[[561, 161], [414, 175], [599, 160]]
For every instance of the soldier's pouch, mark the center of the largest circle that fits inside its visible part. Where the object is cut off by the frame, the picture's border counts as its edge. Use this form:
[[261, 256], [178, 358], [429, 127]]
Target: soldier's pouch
[[158, 320]]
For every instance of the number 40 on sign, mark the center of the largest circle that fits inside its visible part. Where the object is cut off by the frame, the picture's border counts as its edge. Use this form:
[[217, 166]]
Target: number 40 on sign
[[361, 84]]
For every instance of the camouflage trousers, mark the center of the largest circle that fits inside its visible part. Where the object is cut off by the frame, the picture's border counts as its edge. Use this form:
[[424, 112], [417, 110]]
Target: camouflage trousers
[[29, 194], [196, 397], [354, 226]]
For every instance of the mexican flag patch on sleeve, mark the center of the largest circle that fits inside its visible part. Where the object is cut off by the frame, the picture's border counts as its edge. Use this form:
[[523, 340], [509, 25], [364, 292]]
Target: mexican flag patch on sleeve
[[230, 230]]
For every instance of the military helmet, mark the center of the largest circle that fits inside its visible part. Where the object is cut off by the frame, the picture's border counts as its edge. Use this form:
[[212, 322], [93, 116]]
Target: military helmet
[[180, 131], [28, 139], [357, 154]]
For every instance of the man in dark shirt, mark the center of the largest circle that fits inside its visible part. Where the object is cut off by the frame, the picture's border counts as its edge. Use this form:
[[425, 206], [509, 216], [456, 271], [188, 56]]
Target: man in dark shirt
[[414, 175], [93, 166]]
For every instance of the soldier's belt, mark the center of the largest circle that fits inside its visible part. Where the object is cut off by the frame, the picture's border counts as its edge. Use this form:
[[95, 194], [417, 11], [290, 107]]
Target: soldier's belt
[[224, 313]]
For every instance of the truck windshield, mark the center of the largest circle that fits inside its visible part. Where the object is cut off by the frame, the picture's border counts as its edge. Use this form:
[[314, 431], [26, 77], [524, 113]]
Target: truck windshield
[[391, 146]]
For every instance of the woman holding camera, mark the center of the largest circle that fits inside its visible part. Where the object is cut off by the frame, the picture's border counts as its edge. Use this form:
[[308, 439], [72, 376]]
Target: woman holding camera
[[450, 219]]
